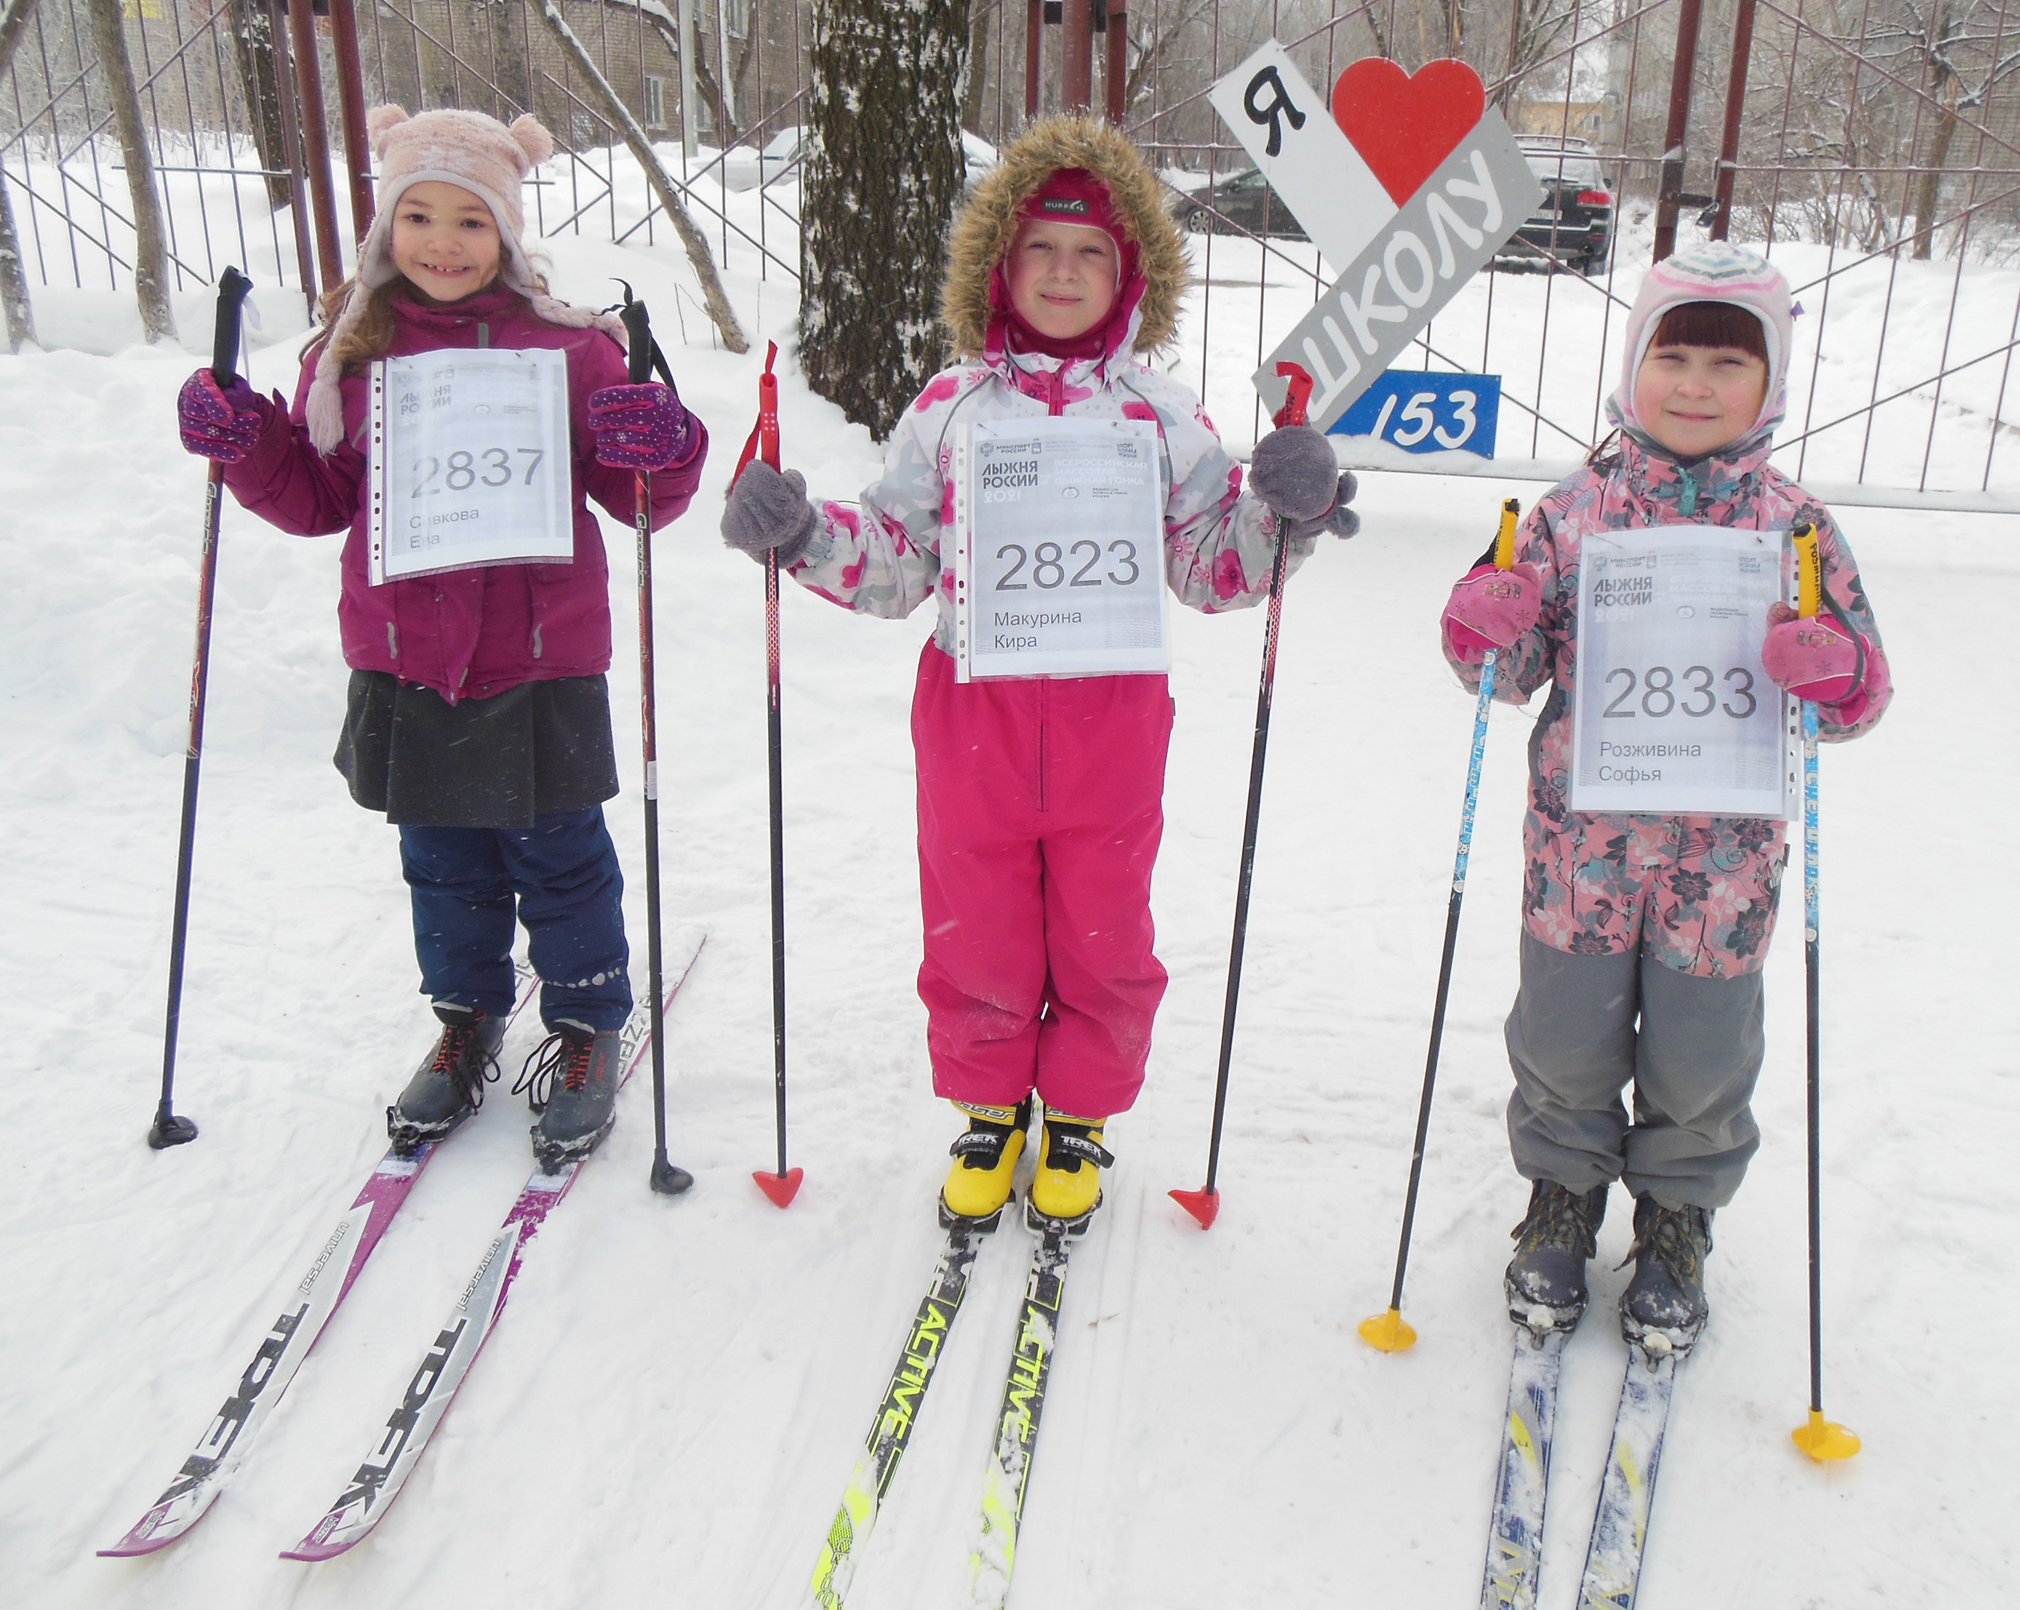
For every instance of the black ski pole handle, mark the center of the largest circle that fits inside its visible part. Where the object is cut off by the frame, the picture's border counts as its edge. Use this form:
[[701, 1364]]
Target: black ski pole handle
[[232, 288], [638, 326]]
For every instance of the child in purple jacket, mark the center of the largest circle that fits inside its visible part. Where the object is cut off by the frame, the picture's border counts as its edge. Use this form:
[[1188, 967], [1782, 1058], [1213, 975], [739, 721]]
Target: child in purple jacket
[[478, 718]]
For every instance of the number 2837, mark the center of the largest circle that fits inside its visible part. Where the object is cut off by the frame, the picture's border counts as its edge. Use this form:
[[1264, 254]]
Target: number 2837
[[486, 466]]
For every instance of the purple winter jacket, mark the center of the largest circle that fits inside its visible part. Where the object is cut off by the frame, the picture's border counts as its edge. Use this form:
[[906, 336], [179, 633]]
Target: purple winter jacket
[[468, 634]]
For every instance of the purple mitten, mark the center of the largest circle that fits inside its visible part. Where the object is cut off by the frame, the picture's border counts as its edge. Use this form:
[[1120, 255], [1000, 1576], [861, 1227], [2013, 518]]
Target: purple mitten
[[1491, 609], [219, 424], [1814, 659], [642, 427]]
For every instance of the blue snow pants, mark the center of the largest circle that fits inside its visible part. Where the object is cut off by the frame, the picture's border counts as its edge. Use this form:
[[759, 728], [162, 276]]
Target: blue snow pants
[[569, 892]]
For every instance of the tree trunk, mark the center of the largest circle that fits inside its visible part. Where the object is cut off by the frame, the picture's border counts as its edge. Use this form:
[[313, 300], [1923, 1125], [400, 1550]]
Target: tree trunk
[[515, 77], [150, 257], [713, 297], [884, 102], [19, 315], [252, 48], [1929, 183], [15, 310], [978, 68], [12, 21]]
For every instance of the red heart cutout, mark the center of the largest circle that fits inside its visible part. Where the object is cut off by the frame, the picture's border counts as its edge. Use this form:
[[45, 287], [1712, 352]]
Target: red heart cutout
[[1405, 125]]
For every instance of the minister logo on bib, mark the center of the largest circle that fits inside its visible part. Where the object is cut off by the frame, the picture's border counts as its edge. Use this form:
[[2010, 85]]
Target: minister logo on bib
[[1058, 549], [469, 462], [1674, 715]]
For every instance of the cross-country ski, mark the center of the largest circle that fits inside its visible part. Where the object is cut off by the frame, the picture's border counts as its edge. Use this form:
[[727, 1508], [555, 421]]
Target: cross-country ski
[[439, 1376], [310, 1304]]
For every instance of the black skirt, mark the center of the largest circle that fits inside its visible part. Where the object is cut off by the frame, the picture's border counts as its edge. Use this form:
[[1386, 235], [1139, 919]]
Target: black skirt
[[498, 762]]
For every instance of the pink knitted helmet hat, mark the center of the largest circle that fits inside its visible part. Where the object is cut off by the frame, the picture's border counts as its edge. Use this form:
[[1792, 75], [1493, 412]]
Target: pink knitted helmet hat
[[1710, 271], [461, 148]]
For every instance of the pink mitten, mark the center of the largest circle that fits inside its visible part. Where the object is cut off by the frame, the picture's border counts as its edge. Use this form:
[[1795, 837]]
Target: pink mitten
[[1491, 609], [219, 424], [641, 427], [1813, 658]]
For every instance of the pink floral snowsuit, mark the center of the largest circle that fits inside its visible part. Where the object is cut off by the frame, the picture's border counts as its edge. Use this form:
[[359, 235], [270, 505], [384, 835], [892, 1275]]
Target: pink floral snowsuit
[[1645, 935], [1040, 799], [1696, 893]]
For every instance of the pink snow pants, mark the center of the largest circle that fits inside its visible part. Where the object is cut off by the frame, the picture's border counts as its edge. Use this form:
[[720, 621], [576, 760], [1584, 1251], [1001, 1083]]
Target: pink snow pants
[[1041, 803]]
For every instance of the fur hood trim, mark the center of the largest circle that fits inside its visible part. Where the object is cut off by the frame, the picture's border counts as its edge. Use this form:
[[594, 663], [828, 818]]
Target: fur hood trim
[[987, 224]]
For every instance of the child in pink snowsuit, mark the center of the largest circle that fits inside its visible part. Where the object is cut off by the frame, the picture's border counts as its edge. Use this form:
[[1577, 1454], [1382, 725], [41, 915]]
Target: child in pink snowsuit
[[1644, 936], [1040, 798]]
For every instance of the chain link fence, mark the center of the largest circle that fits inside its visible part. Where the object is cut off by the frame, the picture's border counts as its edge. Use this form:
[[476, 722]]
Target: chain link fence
[[1870, 147]]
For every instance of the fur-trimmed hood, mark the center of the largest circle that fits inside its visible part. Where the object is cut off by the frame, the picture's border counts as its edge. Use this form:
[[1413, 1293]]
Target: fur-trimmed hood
[[987, 224]]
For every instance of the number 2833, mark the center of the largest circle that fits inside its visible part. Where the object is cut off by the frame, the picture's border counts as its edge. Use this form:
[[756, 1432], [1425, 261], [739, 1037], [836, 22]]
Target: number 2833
[[1700, 694]]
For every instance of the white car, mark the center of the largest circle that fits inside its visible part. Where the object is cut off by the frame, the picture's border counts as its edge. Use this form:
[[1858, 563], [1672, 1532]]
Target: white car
[[745, 169]]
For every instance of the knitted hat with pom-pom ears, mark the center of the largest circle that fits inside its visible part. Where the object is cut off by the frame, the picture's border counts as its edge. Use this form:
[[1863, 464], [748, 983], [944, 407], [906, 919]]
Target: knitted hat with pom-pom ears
[[460, 148]]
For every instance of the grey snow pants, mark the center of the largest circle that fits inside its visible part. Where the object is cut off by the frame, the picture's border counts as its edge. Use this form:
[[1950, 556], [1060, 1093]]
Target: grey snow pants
[[1692, 1058]]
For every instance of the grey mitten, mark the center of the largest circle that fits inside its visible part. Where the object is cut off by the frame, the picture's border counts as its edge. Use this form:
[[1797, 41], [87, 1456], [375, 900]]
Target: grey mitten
[[1295, 473], [1340, 520], [768, 512]]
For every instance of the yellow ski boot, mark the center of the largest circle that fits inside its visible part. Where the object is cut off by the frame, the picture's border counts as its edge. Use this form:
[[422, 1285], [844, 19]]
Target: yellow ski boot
[[985, 1159], [1071, 1158]]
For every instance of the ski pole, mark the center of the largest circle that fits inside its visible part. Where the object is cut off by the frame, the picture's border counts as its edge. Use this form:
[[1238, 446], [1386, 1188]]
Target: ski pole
[[782, 1186], [667, 1179], [1823, 1440], [1204, 1204], [1390, 1331], [168, 1129]]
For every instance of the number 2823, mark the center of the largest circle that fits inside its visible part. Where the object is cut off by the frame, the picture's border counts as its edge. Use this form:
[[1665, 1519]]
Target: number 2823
[[1699, 696], [1049, 565]]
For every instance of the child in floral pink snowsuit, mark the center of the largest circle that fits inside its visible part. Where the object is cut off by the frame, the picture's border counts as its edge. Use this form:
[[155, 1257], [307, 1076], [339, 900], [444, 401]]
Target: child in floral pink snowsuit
[[1644, 936], [1041, 797]]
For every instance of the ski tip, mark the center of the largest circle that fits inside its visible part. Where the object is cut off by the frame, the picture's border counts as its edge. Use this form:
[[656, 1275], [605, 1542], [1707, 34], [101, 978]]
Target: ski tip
[[1388, 1331], [170, 1129], [668, 1179], [781, 1188], [1202, 1205], [311, 1552], [1823, 1440]]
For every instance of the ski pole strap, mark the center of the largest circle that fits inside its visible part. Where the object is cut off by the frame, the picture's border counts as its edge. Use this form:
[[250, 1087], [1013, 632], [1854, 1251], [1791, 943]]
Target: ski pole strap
[[232, 289], [1296, 395], [1809, 569], [763, 441], [1504, 542], [642, 355]]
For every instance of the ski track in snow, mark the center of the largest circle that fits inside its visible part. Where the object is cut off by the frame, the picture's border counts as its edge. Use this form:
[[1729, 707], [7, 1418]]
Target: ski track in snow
[[679, 1388]]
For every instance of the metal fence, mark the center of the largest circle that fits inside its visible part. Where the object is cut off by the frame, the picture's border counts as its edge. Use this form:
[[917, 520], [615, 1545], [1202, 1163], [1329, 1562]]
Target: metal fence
[[1871, 147]]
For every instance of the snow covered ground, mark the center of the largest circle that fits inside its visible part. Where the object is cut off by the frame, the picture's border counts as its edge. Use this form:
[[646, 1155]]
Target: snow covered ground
[[680, 1387]]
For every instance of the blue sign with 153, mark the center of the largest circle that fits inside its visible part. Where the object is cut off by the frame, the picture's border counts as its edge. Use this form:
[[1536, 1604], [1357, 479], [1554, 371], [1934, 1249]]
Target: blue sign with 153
[[1422, 411]]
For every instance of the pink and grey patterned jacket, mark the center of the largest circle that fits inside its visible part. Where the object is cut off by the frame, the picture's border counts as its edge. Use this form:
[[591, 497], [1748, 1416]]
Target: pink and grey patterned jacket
[[884, 558], [1710, 883]]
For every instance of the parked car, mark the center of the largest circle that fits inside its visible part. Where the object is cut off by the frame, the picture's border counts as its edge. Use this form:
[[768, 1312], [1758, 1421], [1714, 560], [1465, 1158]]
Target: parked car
[[1574, 220], [1238, 199], [745, 169]]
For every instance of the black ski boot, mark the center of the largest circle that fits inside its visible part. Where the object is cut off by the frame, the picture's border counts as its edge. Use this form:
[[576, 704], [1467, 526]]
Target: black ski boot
[[1663, 1309], [571, 1081], [449, 1084], [1545, 1282]]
